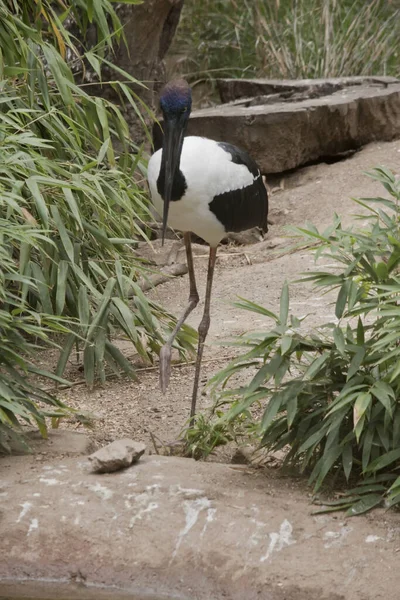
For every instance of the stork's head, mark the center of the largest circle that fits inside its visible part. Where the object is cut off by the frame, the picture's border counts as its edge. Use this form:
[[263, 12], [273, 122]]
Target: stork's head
[[175, 103], [176, 100]]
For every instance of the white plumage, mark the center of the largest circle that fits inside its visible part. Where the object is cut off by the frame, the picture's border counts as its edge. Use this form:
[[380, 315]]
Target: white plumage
[[209, 171]]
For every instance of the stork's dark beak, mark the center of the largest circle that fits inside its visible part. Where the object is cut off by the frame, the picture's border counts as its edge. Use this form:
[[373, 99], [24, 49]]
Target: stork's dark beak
[[174, 130]]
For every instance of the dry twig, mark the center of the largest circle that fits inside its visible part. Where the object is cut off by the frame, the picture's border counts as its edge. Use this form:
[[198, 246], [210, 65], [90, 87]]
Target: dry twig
[[165, 274]]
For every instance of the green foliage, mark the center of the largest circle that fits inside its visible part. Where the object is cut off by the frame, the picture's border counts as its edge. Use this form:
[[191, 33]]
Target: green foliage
[[73, 205], [204, 436], [331, 397], [284, 39], [19, 328]]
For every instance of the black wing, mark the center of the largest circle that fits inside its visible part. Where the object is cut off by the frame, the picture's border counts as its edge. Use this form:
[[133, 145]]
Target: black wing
[[246, 207]]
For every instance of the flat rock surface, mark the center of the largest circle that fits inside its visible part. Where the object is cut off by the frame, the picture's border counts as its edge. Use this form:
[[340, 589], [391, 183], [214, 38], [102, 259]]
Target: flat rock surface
[[171, 528], [284, 135], [233, 89], [59, 441]]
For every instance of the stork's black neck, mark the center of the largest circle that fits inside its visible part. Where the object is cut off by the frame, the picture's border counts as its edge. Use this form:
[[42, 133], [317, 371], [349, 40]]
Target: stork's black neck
[[179, 185]]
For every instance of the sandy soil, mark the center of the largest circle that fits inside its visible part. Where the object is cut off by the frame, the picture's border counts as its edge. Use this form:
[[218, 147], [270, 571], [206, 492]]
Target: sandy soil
[[257, 272]]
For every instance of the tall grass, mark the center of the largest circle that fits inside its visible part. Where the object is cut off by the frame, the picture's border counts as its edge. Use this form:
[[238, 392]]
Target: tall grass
[[289, 39], [72, 208]]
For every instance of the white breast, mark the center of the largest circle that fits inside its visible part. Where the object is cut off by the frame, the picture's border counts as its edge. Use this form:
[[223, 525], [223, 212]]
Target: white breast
[[208, 171]]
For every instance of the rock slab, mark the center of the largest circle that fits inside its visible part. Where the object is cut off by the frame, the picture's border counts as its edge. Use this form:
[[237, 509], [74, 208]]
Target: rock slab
[[59, 441], [115, 456], [176, 529], [235, 89], [294, 131]]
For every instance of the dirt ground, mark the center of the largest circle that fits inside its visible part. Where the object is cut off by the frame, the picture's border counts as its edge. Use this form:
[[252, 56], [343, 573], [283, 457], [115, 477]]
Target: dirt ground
[[256, 272]]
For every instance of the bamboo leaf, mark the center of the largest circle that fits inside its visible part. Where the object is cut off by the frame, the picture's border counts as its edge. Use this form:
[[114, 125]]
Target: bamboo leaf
[[365, 504], [96, 321], [127, 316], [253, 307], [61, 286], [103, 150], [361, 405], [347, 460], [355, 363], [324, 465], [384, 393], [264, 374], [120, 360], [286, 344], [89, 365], [83, 307], [65, 354], [360, 333], [43, 288], [58, 70], [358, 428], [65, 239], [342, 299], [339, 340], [94, 61], [271, 411], [291, 410], [284, 304], [384, 461], [367, 447], [316, 365], [69, 197], [40, 203]]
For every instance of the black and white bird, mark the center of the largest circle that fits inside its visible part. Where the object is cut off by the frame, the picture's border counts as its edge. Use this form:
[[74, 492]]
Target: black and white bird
[[205, 187]]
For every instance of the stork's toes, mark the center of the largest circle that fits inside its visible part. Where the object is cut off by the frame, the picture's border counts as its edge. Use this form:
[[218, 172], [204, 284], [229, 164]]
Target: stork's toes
[[165, 367]]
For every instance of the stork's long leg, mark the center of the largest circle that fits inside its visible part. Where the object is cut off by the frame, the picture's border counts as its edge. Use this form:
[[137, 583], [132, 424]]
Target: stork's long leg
[[203, 330], [165, 354]]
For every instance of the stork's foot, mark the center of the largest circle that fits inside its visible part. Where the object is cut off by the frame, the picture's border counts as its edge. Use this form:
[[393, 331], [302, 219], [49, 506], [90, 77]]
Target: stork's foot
[[165, 367]]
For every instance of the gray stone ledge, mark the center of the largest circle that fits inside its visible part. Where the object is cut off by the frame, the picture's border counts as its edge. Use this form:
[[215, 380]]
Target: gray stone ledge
[[174, 529], [285, 135]]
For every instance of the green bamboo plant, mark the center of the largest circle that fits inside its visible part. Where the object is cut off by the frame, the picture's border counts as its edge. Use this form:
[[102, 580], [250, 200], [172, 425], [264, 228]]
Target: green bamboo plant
[[330, 398], [73, 206]]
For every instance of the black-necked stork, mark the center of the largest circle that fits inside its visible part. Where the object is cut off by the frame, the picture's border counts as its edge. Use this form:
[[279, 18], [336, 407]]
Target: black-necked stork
[[205, 187]]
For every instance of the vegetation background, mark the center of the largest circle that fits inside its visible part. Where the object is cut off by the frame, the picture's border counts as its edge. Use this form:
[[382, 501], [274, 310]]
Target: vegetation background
[[288, 39]]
